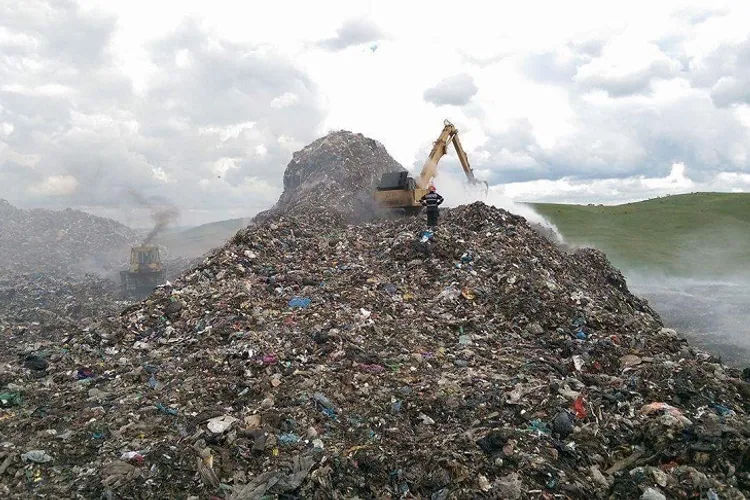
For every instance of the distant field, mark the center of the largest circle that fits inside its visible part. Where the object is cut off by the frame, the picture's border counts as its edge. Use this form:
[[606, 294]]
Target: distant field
[[697, 235], [195, 241]]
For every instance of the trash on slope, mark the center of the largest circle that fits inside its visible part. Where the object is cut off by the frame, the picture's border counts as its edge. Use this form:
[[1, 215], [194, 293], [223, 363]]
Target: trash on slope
[[394, 384], [401, 387]]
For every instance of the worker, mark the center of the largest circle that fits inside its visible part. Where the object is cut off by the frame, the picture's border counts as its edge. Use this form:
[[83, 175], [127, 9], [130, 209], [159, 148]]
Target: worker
[[432, 201]]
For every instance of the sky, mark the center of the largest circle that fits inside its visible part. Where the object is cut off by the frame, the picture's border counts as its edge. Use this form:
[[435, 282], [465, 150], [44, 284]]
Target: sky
[[107, 106]]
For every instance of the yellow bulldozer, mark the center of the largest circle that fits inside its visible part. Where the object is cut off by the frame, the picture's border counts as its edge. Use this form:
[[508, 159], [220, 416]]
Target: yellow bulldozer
[[145, 272], [398, 190]]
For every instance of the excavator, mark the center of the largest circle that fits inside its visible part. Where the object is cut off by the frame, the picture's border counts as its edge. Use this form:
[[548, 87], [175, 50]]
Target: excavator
[[397, 190]]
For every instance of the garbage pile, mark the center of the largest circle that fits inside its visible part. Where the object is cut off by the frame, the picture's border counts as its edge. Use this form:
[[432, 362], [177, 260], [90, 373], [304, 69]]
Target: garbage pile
[[333, 178], [46, 298], [175, 266], [52, 308], [62, 242], [378, 360]]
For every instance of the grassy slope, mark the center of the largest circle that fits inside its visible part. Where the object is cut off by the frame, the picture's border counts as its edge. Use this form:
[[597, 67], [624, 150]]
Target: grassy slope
[[195, 241], [700, 234]]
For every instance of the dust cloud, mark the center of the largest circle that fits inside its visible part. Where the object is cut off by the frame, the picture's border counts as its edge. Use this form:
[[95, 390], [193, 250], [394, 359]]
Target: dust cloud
[[457, 191], [711, 314], [706, 294]]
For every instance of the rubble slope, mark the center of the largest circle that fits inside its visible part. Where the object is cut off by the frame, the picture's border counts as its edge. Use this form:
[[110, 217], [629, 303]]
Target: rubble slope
[[379, 361], [39, 240], [55, 299], [333, 178]]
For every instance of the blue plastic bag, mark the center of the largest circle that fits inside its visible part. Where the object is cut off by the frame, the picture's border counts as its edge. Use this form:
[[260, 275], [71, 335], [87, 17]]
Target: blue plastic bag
[[300, 302]]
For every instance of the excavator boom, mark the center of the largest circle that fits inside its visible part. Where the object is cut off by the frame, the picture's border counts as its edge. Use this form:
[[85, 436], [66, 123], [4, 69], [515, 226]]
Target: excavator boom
[[440, 149]]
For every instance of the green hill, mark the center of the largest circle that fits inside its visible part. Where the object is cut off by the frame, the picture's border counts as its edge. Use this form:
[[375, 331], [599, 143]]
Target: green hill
[[197, 240], [697, 235]]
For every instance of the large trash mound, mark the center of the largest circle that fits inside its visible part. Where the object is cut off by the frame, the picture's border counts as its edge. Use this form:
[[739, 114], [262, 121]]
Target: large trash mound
[[51, 307], [46, 299], [40, 240], [333, 178], [378, 361]]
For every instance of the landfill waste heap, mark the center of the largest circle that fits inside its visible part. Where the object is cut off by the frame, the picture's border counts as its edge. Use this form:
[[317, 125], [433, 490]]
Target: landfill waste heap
[[312, 358], [45, 306], [46, 280], [64, 241], [45, 298], [57, 269], [333, 178]]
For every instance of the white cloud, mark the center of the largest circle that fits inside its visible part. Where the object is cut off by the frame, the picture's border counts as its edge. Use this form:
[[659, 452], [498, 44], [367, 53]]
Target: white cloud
[[456, 90], [627, 66], [160, 174], [56, 185], [228, 132], [622, 190], [223, 165], [10, 39], [6, 129], [285, 100], [48, 89], [182, 59], [29, 161], [592, 99], [353, 32]]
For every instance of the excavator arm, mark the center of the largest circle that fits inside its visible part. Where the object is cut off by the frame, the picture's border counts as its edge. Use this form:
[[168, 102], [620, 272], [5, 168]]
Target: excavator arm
[[439, 149], [463, 159]]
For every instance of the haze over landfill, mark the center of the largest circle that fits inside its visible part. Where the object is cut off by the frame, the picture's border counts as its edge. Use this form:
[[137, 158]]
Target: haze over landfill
[[590, 102], [217, 279]]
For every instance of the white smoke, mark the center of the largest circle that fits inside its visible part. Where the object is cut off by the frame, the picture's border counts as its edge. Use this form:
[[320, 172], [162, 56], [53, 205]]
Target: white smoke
[[457, 191]]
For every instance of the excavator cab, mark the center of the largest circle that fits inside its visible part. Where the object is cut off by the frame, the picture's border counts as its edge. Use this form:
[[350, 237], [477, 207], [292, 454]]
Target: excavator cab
[[395, 180], [398, 190]]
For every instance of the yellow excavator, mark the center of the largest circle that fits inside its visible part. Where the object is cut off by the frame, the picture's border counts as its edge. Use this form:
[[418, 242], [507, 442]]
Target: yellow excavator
[[397, 190]]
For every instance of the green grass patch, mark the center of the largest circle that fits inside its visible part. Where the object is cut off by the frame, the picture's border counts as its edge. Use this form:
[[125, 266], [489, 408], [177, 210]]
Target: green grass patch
[[698, 234], [195, 241]]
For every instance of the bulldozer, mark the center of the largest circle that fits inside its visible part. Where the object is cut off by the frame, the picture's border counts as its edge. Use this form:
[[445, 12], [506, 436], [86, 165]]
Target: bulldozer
[[397, 190], [145, 272]]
